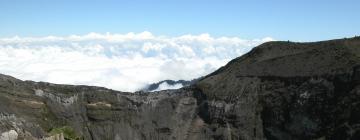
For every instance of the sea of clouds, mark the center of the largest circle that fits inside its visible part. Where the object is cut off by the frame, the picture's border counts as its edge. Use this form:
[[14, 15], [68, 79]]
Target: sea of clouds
[[125, 62]]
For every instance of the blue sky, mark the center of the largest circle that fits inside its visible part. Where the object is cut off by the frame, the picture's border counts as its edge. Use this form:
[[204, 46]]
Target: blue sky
[[298, 20]]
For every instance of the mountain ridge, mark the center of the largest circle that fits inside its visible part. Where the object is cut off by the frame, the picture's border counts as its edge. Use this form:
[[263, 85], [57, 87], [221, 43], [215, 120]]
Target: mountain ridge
[[277, 91]]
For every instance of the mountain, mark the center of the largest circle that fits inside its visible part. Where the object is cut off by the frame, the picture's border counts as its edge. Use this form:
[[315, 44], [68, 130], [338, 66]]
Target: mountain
[[277, 91], [168, 84]]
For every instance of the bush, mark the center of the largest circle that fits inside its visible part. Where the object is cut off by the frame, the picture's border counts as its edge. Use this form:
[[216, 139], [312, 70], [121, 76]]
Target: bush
[[68, 132]]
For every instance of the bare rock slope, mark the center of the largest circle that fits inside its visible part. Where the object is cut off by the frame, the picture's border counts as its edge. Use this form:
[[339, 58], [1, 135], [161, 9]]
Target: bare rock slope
[[277, 91]]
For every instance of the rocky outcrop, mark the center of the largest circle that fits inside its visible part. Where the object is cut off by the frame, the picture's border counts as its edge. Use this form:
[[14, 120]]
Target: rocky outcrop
[[284, 90], [277, 91], [34, 110]]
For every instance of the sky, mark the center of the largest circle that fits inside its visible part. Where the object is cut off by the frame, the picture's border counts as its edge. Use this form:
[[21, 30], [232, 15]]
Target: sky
[[126, 45], [298, 20]]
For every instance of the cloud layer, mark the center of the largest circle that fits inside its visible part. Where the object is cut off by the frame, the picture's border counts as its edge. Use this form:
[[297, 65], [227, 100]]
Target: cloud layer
[[165, 85], [125, 62]]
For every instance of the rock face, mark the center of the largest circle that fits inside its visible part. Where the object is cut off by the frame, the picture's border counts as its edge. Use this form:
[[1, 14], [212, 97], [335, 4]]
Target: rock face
[[277, 91]]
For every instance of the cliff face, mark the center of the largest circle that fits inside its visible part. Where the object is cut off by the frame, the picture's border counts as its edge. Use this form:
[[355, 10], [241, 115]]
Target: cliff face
[[283, 90], [278, 91], [34, 110]]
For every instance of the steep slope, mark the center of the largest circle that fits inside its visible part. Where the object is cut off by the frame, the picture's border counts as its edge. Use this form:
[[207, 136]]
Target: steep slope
[[278, 91], [284, 90], [35, 110]]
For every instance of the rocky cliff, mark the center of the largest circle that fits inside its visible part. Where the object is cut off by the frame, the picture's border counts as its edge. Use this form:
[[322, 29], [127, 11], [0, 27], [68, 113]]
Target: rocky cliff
[[277, 91]]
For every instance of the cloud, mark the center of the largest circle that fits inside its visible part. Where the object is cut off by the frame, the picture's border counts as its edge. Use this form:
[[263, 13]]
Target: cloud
[[165, 85], [125, 62]]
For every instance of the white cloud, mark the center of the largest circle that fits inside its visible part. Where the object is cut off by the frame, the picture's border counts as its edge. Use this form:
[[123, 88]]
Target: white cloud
[[125, 62], [165, 85]]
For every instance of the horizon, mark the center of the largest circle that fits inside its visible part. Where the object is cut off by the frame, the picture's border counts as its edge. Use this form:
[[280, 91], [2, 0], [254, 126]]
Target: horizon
[[125, 62], [126, 45], [179, 69]]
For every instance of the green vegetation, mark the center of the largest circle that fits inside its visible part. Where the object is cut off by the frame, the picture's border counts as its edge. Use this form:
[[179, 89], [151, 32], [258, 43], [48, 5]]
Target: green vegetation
[[68, 132]]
